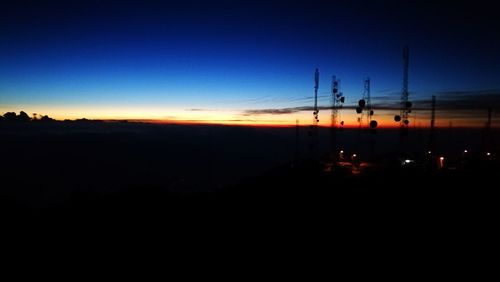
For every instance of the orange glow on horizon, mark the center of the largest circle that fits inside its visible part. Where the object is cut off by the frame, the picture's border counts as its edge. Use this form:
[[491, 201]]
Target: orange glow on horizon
[[179, 115]]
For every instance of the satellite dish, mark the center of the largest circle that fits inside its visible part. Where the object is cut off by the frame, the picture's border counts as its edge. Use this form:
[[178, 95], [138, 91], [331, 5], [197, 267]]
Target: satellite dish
[[409, 111], [373, 124], [406, 122], [397, 118], [409, 104], [359, 110], [342, 123], [371, 112], [342, 99], [362, 103], [335, 90]]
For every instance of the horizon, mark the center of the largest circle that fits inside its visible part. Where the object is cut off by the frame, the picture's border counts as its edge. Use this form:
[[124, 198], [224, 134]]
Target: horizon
[[355, 126]]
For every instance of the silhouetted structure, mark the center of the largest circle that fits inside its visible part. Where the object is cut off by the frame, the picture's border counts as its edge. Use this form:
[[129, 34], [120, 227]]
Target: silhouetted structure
[[314, 127], [486, 143], [364, 107], [337, 103], [405, 107]]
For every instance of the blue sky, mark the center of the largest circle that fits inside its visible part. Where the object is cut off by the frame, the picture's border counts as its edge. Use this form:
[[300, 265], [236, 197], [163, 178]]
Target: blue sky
[[146, 56]]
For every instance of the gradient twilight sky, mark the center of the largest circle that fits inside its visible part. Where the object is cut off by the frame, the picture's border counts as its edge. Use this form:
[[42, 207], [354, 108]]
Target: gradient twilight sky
[[245, 62]]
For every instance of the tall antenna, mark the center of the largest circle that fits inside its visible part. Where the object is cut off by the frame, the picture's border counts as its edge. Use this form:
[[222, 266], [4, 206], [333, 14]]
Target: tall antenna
[[365, 107], [314, 127], [337, 103], [365, 112], [366, 95], [405, 107], [316, 85], [487, 142]]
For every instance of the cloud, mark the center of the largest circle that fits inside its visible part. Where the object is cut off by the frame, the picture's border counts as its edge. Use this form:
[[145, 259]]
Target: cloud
[[270, 111], [470, 105], [468, 100], [280, 111], [458, 100], [199, 110]]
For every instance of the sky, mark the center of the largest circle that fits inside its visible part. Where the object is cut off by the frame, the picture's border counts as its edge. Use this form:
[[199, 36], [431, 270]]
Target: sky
[[247, 62]]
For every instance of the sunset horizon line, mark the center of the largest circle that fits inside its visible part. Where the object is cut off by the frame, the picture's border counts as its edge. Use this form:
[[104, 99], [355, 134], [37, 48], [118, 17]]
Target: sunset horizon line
[[236, 123]]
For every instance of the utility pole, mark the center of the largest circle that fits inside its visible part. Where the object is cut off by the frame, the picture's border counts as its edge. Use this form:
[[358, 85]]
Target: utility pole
[[314, 127]]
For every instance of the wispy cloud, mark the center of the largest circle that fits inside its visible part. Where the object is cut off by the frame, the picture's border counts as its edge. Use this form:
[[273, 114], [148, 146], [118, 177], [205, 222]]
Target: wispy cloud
[[468, 100], [201, 110], [270, 111], [280, 111], [461, 105]]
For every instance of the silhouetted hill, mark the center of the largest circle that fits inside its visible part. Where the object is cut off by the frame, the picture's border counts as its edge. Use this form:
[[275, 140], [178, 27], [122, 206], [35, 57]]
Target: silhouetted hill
[[99, 170]]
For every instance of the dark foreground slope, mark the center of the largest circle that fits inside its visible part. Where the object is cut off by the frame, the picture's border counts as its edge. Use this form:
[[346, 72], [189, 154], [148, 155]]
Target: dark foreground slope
[[118, 171], [130, 187]]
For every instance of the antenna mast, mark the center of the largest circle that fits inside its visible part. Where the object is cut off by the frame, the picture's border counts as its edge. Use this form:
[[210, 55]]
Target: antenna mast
[[366, 95], [405, 107], [314, 127], [365, 107], [487, 142], [337, 103], [316, 85]]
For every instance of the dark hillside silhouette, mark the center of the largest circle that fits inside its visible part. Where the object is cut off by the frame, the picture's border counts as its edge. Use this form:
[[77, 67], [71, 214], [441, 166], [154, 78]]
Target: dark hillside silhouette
[[102, 167]]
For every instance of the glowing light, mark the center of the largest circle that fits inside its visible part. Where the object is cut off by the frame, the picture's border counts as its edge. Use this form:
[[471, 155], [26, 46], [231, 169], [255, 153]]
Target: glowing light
[[406, 162], [353, 155], [488, 154], [429, 152], [341, 151], [465, 151], [441, 162]]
